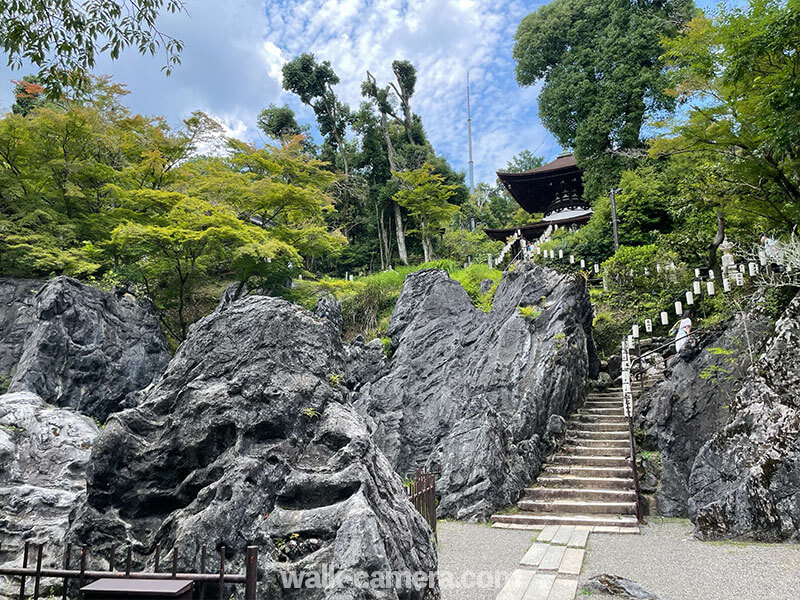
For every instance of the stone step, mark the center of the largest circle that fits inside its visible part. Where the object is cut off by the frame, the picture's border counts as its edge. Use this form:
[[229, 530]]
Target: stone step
[[590, 461], [603, 410], [594, 426], [577, 481], [587, 471], [599, 443], [584, 417], [598, 435], [596, 520], [547, 494], [598, 404], [577, 507], [596, 451]]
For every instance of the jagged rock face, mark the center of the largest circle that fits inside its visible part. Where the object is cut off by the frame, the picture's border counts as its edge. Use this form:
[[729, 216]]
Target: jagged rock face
[[247, 439], [469, 394], [17, 319], [89, 349], [44, 451], [683, 412], [746, 480]]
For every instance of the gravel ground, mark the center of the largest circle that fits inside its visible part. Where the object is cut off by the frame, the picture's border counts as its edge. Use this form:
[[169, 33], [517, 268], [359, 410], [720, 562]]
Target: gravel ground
[[667, 561], [470, 555]]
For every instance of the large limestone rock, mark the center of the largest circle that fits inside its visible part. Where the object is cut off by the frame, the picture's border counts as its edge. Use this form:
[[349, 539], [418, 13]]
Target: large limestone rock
[[683, 412], [89, 349], [746, 481], [44, 451], [247, 439], [17, 319], [469, 394]]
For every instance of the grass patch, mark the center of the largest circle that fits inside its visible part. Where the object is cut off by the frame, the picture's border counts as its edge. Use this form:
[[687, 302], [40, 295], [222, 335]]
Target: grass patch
[[368, 302]]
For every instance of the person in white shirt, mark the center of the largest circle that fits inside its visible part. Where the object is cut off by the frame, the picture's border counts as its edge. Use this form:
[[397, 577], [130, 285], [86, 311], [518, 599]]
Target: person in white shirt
[[684, 329]]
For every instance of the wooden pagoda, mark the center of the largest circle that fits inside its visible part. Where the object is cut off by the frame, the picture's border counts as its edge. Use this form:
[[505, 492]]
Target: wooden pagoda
[[554, 190]]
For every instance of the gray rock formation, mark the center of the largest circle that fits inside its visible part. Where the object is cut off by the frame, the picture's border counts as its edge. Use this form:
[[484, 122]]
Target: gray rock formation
[[44, 451], [247, 439], [89, 349], [469, 394], [614, 585], [17, 319], [684, 411], [746, 481]]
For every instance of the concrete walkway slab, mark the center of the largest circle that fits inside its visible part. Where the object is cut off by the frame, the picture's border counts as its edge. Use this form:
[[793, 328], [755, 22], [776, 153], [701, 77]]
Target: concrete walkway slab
[[540, 587], [579, 537], [563, 535], [552, 558], [547, 533], [572, 562], [563, 589], [534, 554], [517, 585]]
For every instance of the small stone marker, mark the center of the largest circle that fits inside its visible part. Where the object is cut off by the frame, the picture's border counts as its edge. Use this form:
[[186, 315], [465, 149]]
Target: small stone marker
[[617, 586]]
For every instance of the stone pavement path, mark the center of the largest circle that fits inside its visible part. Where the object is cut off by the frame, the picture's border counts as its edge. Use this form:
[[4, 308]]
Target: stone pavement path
[[550, 568]]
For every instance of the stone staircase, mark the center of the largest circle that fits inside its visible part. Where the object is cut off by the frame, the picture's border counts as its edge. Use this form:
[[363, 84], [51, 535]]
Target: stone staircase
[[589, 481]]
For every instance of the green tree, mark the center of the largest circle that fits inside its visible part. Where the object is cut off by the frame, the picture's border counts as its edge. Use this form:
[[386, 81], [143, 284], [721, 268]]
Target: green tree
[[279, 123], [63, 38], [599, 60], [738, 76], [426, 196]]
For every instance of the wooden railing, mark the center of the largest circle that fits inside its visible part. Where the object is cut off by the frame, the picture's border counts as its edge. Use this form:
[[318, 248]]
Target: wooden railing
[[422, 494], [201, 578]]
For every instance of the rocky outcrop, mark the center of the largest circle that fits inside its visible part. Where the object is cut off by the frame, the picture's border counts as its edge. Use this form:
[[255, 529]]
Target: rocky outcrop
[[469, 394], [745, 482], [247, 439], [17, 319], [89, 349], [44, 451], [683, 412]]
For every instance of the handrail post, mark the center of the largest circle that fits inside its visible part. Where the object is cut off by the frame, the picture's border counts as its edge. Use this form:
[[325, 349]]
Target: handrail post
[[251, 573], [627, 404]]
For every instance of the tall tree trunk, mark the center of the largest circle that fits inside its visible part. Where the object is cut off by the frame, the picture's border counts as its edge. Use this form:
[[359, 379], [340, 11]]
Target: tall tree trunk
[[713, 263], [401, 235], [379, 226]]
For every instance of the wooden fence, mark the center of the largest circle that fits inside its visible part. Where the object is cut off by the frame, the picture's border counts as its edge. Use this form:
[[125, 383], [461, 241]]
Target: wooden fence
[[201, 579], [422, 493]]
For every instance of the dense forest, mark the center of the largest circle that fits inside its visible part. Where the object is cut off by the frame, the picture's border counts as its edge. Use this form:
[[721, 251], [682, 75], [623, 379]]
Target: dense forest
[[694, 117]]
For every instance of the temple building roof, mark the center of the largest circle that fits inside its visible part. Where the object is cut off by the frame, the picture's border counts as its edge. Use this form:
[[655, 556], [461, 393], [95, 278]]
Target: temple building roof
[[555, 189]]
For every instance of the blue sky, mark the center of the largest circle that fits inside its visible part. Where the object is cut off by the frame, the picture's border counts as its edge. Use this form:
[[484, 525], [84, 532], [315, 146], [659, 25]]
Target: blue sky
[[234, 50]]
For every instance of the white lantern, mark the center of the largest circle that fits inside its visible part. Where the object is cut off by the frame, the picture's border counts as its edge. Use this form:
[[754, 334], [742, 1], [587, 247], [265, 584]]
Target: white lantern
[[572, 259], [678, 308], [711, 274], [646, 271], [710, 288], [538, 251], [648, 326], [762, 257], [658, 267], [630, 341], [583, 264], [560, 253], [635, 330], [596, 268], [697, 272], [741, 268], [753, 269], [689, 298], [739, 279], [696, 288], [664, 318], [552, 253], [726, 284]]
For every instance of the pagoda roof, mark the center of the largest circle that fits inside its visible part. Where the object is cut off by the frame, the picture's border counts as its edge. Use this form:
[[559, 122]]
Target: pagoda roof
[[536, 190], [533, 231]]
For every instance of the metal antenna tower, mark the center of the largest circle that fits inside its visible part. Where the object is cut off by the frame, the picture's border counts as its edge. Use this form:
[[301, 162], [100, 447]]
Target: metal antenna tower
[[469, 136]]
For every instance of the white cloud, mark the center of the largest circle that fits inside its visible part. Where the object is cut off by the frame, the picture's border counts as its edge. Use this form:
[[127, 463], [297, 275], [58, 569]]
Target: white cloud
[[235, 50]]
